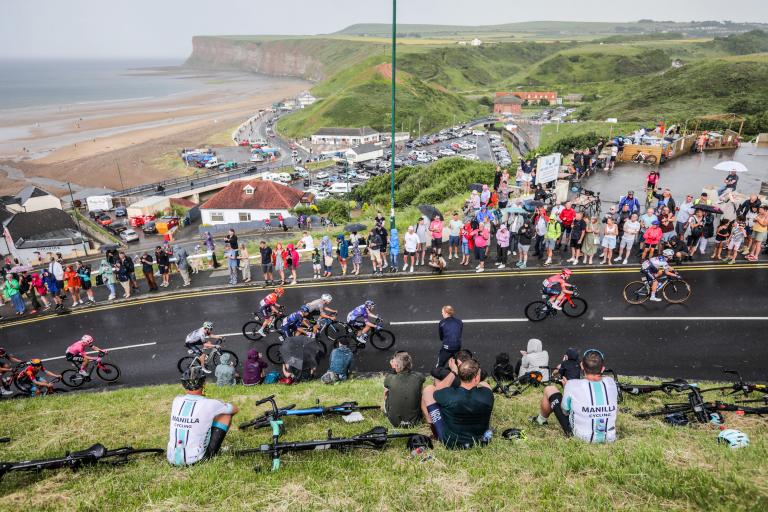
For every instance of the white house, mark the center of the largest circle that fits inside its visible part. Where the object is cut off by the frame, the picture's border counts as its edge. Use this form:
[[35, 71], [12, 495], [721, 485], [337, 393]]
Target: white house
[[476, 42], [29, 235], [249, 200], [30, 199], [346, 137], [305, 99], [363, 153]]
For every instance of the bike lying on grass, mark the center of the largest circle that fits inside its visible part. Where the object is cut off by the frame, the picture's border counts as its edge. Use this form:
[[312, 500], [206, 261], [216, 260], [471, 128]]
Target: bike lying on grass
[[701, 411], [573, 306], [278, 412], [376, 438], [107, 372], [75, 460], [740, 385], [212, 359], [668, 387]]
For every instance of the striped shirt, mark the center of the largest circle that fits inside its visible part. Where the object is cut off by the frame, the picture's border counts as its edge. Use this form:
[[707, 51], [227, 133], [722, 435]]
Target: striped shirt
[[591, 408], [191, 420]]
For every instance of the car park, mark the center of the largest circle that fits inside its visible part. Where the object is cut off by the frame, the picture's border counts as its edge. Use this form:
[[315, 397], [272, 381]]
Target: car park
[[321, 175], [104, 219], [120, 211], [95, 214], [128, 235], [149, 228]]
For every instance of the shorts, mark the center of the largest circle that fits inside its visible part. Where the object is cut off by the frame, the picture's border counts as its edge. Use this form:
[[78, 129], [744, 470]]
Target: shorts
[[453, 241], [555, 289], [666, 236], [375, 254], [627, 242], [437, 243], [480, 253], [196, 348], [410, 253], [343, 261], [609, 242], [759, 236], [576, 244], [523, 249], [73, 358], [549, 243], [734, 245], [59, 285], [316, 267], [265, 311], [85, 285], [613, 158], [649, 274], [266, 269], [163, 269]]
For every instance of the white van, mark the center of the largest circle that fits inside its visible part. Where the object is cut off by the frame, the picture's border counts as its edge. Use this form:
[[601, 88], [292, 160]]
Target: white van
[[340, 188], [284, 177], [270, 176]]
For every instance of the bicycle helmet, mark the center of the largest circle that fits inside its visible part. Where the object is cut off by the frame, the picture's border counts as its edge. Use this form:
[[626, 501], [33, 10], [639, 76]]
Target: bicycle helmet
[[304, 309], [87, 339], [193, 379], [208, 325], [733, 438], [668, 253], [566, 272], [280, 291], [36, 362], [326, 297], [369, 304]]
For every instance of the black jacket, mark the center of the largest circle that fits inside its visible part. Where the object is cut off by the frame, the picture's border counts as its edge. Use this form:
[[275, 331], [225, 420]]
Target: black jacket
[[450, 330]]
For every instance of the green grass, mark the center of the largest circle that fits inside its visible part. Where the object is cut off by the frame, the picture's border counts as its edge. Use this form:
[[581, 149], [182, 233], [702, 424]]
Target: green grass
[[551, 133], [651, 467]]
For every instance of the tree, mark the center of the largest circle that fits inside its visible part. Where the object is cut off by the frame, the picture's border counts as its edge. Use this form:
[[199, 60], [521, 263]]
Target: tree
[[544, 102]]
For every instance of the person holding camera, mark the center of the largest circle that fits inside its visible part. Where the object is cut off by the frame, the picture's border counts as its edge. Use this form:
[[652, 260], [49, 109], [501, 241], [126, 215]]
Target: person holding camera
[[459, 416], [587, 407]]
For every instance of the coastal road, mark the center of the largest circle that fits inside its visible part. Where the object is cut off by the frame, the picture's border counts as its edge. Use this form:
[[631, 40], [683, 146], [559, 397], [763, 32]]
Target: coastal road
[[722, 325]]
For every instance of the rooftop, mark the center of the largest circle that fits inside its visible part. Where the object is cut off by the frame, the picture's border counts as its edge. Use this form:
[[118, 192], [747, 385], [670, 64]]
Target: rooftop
[[43, 228], [266, 195], [365, 148]]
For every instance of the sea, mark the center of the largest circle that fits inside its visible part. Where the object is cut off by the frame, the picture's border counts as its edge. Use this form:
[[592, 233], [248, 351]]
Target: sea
[[39, 82]]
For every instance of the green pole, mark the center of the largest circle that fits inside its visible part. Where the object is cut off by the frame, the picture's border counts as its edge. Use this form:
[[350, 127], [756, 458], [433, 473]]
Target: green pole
[[394, 90]]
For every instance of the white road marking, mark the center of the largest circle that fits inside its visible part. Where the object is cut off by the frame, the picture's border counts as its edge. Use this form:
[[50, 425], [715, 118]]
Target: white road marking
[[109, 349], [471, 321], [683, 318]]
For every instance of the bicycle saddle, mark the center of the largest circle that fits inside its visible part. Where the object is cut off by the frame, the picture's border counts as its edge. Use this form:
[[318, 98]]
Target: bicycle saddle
[[96, 451]]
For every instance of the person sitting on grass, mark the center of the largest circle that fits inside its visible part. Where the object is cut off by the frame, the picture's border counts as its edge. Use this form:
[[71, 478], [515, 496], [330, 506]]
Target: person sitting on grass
[[402, 392], [226, 375], [459, 417], [340, 363], [253, 369], [198, 424], [587, 407]]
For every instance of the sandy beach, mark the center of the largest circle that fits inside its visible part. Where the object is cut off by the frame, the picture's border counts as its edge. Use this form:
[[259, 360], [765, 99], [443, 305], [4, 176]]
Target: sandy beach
[[84, 143]]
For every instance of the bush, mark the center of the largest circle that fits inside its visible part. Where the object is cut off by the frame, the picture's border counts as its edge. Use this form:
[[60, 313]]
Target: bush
[[339, 212]]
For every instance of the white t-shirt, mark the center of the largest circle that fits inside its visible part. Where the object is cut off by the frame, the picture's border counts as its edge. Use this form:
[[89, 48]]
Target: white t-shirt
[[308, 242], [191, 421], [630, 229], [411, 242], [455, 227], [591, 408]]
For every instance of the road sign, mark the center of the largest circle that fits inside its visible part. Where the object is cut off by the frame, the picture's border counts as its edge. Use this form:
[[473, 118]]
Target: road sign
[[548, 168]]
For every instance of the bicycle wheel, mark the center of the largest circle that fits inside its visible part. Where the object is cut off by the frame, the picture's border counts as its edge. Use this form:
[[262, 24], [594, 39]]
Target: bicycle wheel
[[334, 330], [676, 292], [651, 159], [24, 387], [251, 330], [273, 353], [108, 372], [382, 339], [323, 347], [575, 310], [184, 363], [536, 311], [636, 292], [72, 378], [215, 359]]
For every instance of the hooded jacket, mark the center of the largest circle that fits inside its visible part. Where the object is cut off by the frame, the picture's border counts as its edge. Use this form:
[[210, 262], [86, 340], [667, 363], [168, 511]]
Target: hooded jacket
[[570, 367], [534, 359], [253, 367], [225, 374], [294, 255], [502, 236], [394, 242]]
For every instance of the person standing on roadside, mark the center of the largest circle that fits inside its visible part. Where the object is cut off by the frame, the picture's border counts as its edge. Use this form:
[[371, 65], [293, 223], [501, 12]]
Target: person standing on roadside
[[123, 275], [11, 291], [73, 285], [454, 237], [421, 232], [163, 263], [524, 238], [230, 255], [149, 271], [357, 256], [342, 251], [181, 255], [265, 252], [210, 246], [107, 273], [502, 246], [450, 330], [84, 273], [57, 272], [480, 236], [245, 263], [411, 248], [436, 229]]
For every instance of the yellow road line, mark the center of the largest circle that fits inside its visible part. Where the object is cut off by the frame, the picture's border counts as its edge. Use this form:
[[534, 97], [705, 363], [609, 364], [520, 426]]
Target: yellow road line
[[380, 280]]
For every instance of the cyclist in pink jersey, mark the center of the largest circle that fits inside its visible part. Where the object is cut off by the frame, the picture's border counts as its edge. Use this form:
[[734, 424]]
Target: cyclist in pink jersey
[[77, 353]]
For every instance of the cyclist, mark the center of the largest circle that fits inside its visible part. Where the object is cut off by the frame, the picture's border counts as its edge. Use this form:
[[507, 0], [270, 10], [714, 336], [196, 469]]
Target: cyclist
[[359, 317], [197, 340], [77, 353], [320, 307], [557, 287], [6, 365], [653, 268], [296, 323], [31, 375], [269, 309]]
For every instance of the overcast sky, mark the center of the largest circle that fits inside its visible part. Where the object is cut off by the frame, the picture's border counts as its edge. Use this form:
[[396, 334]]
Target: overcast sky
[[164, 28]]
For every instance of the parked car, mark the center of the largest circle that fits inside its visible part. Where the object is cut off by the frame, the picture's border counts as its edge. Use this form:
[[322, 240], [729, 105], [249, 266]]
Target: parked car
[[95, 214], [120, 211], [322, 194], [321, 175], [149, 228], [104, 219], [128, 235]]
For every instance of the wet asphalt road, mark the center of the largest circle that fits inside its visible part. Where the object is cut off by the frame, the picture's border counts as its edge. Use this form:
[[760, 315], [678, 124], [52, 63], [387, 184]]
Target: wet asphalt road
[[685, 342]]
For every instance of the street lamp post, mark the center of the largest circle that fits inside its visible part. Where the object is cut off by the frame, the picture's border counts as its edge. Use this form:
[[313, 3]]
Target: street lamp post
[[394, 104]]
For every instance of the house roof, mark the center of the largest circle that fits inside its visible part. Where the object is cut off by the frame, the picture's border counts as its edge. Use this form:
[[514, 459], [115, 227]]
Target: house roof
[[267, 195], [507, 100], [365, 148], [28, 192], [346, 132], [43, 228]]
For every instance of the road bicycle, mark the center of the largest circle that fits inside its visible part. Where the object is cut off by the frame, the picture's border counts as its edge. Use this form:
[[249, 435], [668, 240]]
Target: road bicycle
[[746, 388], [701, 411], [278, 412], [667, 387], [642, 158], [251, 328], [75, 460], [376, 438], [673, 288], [212, 359], [107, 372], [573, 307], [378, 337]]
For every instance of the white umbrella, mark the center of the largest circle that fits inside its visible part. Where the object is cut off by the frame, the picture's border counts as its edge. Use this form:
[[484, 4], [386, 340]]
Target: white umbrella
[[731, 166]]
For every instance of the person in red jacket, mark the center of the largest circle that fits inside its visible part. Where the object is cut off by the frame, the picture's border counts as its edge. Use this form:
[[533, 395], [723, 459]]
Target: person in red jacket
[[566, 219]]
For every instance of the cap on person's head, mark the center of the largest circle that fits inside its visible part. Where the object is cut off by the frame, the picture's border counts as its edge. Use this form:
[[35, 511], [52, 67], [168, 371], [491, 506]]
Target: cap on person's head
[[631, 193], [656, 223]]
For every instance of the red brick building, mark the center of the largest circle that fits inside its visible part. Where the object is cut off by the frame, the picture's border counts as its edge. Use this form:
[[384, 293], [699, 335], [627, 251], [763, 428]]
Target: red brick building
[[531, 97], [507, 105]]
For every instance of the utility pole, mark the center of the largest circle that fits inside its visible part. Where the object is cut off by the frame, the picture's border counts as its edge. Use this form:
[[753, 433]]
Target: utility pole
[[77, 219], [394, 105]]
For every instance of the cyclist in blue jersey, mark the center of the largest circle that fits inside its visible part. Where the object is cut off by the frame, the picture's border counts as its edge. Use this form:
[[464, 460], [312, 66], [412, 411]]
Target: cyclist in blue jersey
[[361, 317], [653, 268], [296, 323]]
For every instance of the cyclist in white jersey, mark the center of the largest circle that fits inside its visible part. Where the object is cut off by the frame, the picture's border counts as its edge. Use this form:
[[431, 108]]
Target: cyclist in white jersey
[[587, 408], [319, 308], [653, 268], [198, 424]]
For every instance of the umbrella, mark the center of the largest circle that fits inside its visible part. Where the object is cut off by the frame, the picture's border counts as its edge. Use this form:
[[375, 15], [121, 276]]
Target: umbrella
[[477, 187], [532, 204], [430, 211], [300, 352], [731, 166], [20, 268], [707, 208], [355, 227], [109, 247]]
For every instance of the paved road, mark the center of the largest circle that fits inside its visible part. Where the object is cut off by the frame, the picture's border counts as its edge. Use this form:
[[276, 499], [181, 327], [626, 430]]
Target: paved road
[[695, 340]]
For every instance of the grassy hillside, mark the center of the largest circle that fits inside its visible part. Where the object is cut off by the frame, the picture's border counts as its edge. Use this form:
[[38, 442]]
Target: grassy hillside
[[361, 96], [575, 68], [652, 467]]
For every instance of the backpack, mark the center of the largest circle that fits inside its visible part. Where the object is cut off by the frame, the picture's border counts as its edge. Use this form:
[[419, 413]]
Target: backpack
[[271, 378]]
